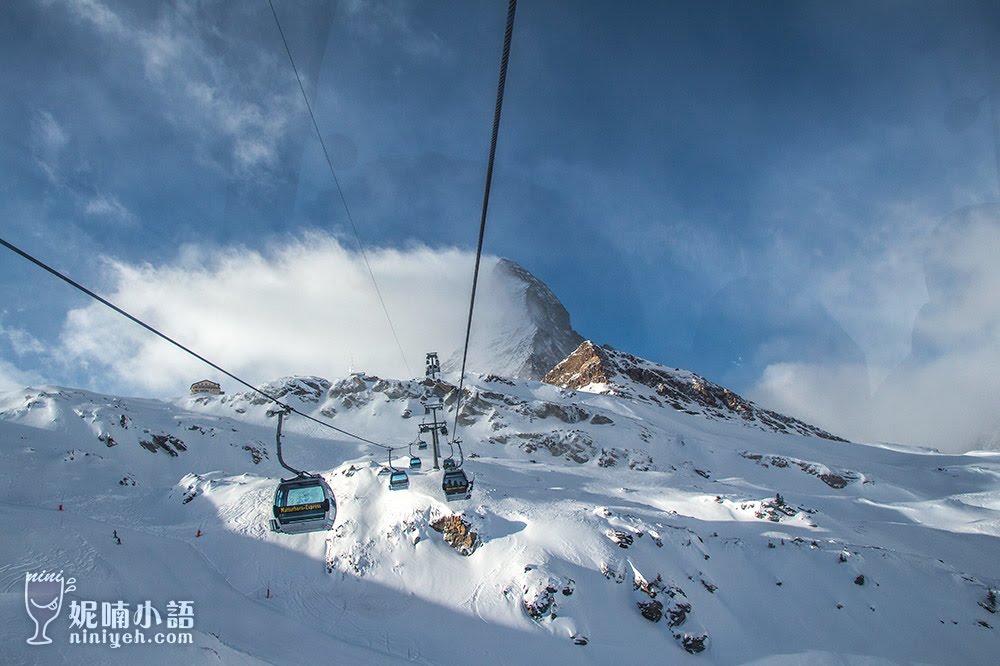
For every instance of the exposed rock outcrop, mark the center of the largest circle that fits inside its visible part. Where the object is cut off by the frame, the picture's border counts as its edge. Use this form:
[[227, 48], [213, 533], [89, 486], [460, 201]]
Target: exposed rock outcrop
[[601, 369], [458, 533]]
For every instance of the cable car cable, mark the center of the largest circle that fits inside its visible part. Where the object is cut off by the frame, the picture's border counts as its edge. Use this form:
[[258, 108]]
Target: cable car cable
[[343, 199], [501, 84], [277, 436], [198, 356]]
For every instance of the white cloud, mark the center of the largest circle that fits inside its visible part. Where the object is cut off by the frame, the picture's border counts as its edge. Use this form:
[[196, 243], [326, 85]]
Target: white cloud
[[96, 12], [834, 397], [21, 341], [875, 293], [12, 377], [941, 391], [199, 92], [307, 307], [48, 138], [391, 21], [110, 207], [48, 147]]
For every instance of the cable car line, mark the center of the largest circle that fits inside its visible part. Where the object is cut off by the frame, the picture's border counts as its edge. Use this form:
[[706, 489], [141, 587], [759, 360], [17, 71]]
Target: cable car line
[[304, 503], [343, 199], [193, 353], [501, 84], [398, 478], [456, 484], [415, 462]]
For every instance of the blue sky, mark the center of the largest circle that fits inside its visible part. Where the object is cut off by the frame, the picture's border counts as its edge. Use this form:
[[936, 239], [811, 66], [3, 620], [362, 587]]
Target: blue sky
[[744, 189]]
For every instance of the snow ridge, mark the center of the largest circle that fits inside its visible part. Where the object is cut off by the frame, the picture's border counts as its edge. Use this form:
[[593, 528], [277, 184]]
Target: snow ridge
[[602, 369]]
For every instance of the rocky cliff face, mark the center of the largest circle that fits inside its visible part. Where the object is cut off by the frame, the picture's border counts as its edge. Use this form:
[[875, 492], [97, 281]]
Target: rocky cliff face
[[527, 343], [601, 369]]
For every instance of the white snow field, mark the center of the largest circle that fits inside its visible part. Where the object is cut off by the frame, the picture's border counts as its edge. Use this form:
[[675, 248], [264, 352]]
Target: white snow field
[[608, 530]]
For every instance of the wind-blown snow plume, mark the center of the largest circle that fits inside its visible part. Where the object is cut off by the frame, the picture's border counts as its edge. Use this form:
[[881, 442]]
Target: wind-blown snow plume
[[306, 307]]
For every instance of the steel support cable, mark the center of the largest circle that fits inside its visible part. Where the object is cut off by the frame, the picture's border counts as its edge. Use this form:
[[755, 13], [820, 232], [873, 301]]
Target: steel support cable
[[501, 84], [340, 190], [198, 356]]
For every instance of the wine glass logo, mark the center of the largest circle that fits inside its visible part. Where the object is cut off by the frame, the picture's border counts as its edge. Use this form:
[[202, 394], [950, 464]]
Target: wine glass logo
[[43, 598]]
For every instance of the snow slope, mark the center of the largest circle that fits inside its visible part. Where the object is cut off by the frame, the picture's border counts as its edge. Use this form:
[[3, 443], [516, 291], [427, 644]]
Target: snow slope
[[593, 514]]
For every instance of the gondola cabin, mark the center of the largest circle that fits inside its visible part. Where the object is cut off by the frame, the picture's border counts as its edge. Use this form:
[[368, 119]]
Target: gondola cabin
[[415, 462], [399, 480], [303, 504], [456, 485]]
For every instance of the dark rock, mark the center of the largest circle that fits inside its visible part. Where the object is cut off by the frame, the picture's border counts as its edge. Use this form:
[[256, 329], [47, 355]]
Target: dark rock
[[538, 596], [167, 443], [990, 601], [678, 608], [836, 480], [650, 587], [692, 644], [833, 480], [623, 539], [257, 452], [565, 413], [651, 610], [608, 458], [574, 445]]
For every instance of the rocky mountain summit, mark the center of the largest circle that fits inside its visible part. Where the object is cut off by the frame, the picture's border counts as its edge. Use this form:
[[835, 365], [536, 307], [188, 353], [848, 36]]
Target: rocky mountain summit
[[527, 344], [602, 369], [531, 337]]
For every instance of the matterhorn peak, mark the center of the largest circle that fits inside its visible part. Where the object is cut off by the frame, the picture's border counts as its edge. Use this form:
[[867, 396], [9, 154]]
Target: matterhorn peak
[[520, 329]]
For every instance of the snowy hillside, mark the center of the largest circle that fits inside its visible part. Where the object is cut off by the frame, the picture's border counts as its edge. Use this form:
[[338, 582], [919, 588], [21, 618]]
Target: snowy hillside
[[604, 527]]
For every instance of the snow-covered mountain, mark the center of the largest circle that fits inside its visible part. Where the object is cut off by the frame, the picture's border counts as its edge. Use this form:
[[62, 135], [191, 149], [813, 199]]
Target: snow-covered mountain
[[602, 369], [604, 526], [527, 337]]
